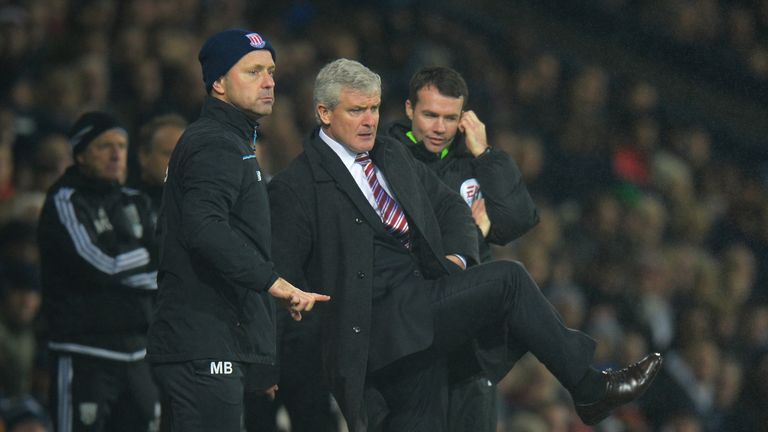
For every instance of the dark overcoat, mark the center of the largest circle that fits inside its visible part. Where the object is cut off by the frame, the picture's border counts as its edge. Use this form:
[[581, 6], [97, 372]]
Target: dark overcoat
[[323, 240]]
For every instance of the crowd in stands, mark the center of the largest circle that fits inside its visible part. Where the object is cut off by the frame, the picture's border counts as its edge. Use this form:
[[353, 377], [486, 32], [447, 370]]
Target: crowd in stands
[[733, 31], [653, 234]]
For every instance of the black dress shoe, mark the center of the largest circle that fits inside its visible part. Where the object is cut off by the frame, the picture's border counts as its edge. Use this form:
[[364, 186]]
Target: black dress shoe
[[622, 386]]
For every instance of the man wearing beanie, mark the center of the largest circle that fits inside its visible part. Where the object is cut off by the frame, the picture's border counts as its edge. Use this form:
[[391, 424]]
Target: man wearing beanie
[[215, 318], [99, 282]]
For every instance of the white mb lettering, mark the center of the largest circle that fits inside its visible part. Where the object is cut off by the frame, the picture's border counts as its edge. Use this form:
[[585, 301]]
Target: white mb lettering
[[218, 368]]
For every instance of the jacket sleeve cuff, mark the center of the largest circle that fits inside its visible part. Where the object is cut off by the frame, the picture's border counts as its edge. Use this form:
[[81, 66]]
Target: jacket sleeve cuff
[[270, 281], [484, 153]]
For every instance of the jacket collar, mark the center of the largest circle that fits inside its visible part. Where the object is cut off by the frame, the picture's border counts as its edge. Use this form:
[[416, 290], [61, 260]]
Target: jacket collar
[[399, 131], [226, 113], [326, 167], [321, 158], [399, 177], [73, 177]]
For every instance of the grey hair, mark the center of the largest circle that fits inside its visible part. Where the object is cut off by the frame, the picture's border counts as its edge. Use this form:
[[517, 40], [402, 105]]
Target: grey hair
[[340, 74]]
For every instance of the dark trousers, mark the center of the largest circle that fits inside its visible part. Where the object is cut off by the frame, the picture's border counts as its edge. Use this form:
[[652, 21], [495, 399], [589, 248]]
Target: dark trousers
[[96, 394], [308, 410], [302, 392], [409, 395], [472, 405], [471, 395], [202, 395], [500, 296]]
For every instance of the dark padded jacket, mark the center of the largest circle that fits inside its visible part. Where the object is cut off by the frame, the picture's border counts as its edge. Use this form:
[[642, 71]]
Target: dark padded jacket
[[493, 176], [215, 249]]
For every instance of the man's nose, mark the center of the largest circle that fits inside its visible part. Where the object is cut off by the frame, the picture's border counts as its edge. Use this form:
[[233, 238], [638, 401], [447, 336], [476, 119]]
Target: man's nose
[[370, 118], [440, 125], [269, 81]]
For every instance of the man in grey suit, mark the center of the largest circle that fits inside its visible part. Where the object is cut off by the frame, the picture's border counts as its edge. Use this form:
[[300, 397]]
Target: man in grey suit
[[356, 217]]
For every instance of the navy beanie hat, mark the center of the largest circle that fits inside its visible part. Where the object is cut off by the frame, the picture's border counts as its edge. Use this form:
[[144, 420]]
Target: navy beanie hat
[[222, 50], [89, 126]]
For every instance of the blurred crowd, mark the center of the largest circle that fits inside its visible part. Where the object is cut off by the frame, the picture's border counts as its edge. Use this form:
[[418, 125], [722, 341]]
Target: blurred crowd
[[653, 233], [731, 31], [735, 29]]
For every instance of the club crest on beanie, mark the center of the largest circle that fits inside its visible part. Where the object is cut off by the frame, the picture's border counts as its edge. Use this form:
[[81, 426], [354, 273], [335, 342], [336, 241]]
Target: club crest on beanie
[[89, 126], [222, 50]]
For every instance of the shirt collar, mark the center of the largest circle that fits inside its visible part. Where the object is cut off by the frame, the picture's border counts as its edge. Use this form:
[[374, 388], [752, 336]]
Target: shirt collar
[[346, 155]]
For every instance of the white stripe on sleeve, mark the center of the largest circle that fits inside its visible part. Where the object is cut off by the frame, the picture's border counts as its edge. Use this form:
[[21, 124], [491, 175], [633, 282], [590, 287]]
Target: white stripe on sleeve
[[147, 281], [85, 246]]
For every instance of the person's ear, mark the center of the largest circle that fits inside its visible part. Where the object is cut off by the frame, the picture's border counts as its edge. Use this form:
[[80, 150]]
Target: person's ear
[[324, 114], [218, 85], [409, 109]]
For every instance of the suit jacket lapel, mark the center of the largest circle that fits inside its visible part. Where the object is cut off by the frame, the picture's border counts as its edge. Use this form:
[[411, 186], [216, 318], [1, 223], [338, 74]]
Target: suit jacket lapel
[[327, 166], [400, 179]]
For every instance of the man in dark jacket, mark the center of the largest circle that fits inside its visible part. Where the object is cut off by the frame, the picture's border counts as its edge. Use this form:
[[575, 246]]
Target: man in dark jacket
[[215, 314], [453, 143], [357, 217], [99, 279]]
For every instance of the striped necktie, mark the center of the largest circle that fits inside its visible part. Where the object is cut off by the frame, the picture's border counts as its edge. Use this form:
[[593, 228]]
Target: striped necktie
[[391, 214]]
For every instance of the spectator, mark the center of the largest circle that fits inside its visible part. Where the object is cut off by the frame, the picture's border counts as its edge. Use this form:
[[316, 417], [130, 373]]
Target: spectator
[[18, 242], [23, 415], [687, 384], [21, 299], [158, 138]]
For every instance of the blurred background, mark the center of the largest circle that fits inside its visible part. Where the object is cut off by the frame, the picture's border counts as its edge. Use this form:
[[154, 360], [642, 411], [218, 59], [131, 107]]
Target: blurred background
[[640, 126]]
